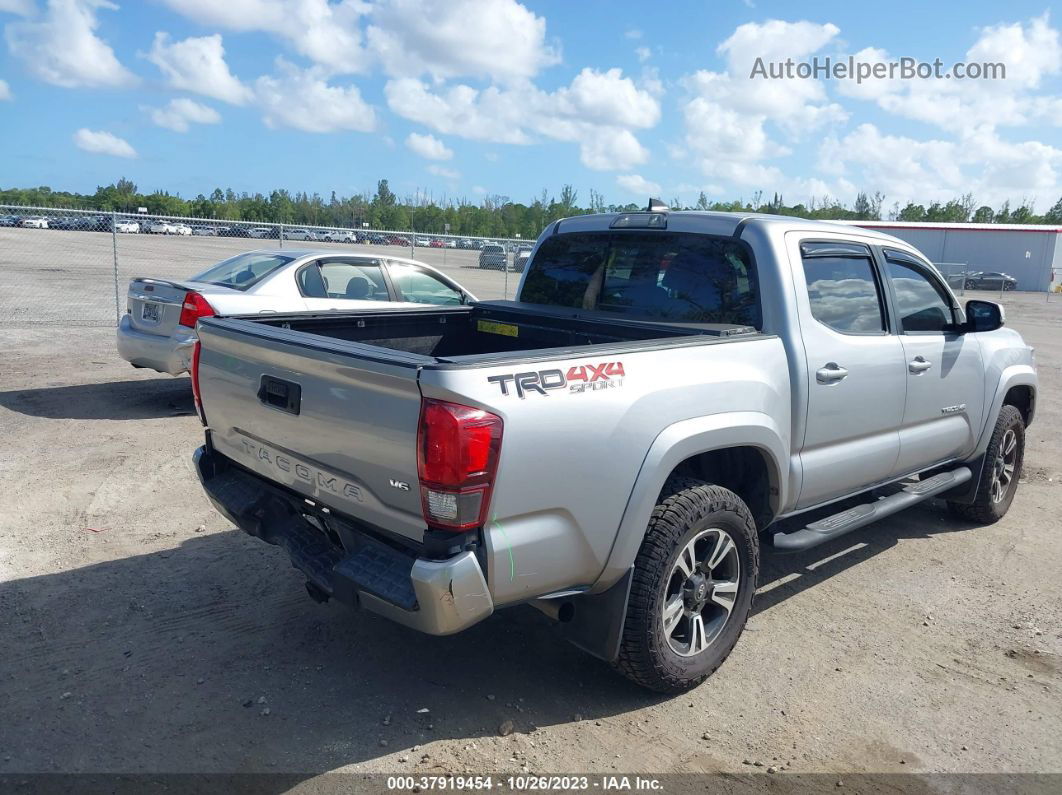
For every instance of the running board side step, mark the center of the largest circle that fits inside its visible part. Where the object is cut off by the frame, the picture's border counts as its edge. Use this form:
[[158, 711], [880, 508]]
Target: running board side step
[[831, 527]]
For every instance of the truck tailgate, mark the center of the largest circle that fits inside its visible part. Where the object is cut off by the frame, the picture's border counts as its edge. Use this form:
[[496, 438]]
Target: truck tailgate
[[338, 429]]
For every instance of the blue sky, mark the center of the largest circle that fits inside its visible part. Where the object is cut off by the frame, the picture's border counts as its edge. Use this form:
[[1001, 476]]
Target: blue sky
[[467, 98]]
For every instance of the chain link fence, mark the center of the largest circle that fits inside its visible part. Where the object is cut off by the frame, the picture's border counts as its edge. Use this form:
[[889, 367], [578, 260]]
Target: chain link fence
[[72, 267]]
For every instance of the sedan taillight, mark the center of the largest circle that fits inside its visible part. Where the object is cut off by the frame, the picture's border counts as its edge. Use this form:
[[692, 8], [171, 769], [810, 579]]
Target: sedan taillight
[[194, 307]]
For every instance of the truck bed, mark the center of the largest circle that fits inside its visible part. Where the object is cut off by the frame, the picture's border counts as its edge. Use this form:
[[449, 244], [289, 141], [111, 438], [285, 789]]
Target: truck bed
[[488, 332]]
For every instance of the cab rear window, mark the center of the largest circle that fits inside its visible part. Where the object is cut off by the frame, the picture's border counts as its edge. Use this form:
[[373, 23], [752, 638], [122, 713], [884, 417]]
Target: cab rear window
[[664, 276], [244, 270]]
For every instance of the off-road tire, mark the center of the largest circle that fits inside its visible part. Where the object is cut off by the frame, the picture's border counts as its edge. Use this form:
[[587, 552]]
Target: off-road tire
[[686, 507], [985, 510]]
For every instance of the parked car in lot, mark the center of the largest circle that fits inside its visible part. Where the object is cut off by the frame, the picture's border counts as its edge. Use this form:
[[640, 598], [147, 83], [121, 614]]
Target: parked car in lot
[[520, 258], [64, 222], [421, 241], [990, 280], [339, 236], [9, 220], [299, 234], [162, 228], [398, 240], [436, 242], [34, 222], [127, 227], [260, 232], [158, 329], [493, 256], [204, 231], [717, 373]]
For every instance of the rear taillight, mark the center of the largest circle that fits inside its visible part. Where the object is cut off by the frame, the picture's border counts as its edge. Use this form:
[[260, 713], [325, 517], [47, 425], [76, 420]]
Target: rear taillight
[[195, 306], [195, 383], [457, 458]]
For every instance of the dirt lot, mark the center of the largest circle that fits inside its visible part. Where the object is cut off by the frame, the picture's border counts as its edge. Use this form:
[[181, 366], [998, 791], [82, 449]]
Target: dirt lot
[[142, 634]]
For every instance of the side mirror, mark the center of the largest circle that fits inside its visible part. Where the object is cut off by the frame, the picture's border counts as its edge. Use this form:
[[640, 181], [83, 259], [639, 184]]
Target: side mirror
[[984, 316]]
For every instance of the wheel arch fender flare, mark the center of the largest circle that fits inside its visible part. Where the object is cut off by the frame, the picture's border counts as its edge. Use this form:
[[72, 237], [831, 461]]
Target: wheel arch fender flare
[[1011, 376], [675, 444]]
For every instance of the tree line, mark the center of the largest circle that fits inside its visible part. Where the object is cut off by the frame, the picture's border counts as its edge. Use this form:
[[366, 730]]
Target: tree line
[[492, 216]]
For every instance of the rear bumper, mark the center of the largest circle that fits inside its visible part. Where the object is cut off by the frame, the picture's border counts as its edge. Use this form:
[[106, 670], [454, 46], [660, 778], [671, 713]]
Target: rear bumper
[[438, 597], [172, 354]]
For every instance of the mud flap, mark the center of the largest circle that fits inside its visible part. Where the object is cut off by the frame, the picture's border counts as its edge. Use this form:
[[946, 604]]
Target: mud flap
[[967, 492], [597, 624]]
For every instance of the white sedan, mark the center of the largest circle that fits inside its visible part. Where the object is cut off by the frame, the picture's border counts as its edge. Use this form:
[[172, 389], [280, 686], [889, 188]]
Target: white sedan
[[34, 222], [127, 227], [158, 329], [162, 228]]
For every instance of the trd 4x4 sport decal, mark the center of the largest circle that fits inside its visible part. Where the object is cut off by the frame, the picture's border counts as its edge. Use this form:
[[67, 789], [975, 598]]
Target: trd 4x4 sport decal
[[582, 378]]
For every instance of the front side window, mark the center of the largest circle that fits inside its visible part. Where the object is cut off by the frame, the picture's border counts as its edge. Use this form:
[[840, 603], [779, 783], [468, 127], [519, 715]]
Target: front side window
[[844, 294], [666, 276], [355, 281], [920, 302], [242, 271], [420, 287]]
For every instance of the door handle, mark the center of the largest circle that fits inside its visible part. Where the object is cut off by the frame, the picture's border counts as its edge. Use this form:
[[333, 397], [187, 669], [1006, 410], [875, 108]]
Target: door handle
[[918, 365], [831, 373]]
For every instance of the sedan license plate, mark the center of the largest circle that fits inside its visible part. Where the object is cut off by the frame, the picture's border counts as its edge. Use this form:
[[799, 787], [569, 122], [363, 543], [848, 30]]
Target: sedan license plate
[[150, 312]]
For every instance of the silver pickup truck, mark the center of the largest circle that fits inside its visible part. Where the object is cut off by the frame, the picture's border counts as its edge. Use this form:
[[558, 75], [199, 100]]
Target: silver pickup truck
[[615, 446]]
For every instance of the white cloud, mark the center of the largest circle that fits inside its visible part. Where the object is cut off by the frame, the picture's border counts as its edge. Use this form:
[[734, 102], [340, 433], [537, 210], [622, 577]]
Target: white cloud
[[197, 64], [100, 142], [182, 112], [62, 48], [637, 184], [445, 173], [727, 114], [1031, 53], [633, 33], [610, 149], [979, 161], [304, 100], [5, 91], [643, 53], [428, 146], [497, 39], [326, 33], [597, 111]]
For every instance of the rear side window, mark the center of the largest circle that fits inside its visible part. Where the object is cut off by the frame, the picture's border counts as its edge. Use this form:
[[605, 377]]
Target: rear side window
[[243, 271], [358, 281], [844, 294], [666, 276]]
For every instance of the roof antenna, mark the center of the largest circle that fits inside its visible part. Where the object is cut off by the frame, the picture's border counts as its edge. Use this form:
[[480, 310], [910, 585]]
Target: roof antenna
[[656, 206]]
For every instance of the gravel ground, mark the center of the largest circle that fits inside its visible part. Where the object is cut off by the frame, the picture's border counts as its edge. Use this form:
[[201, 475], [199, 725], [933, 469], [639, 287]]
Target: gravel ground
[[142, 634]]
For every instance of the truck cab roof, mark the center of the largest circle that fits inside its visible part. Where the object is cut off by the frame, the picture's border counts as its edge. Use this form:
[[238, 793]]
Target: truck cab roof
[[710, 222]]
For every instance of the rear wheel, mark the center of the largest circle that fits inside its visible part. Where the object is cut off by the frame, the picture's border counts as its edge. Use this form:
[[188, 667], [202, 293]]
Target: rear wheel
[[692, 588], [999, 472]]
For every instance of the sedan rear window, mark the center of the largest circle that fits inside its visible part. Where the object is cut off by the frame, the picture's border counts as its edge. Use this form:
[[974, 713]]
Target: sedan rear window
[[243, 271], [668, 276]]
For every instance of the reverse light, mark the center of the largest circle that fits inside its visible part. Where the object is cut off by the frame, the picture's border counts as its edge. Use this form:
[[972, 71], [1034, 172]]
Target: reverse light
[[194, 307], [457, 459]]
